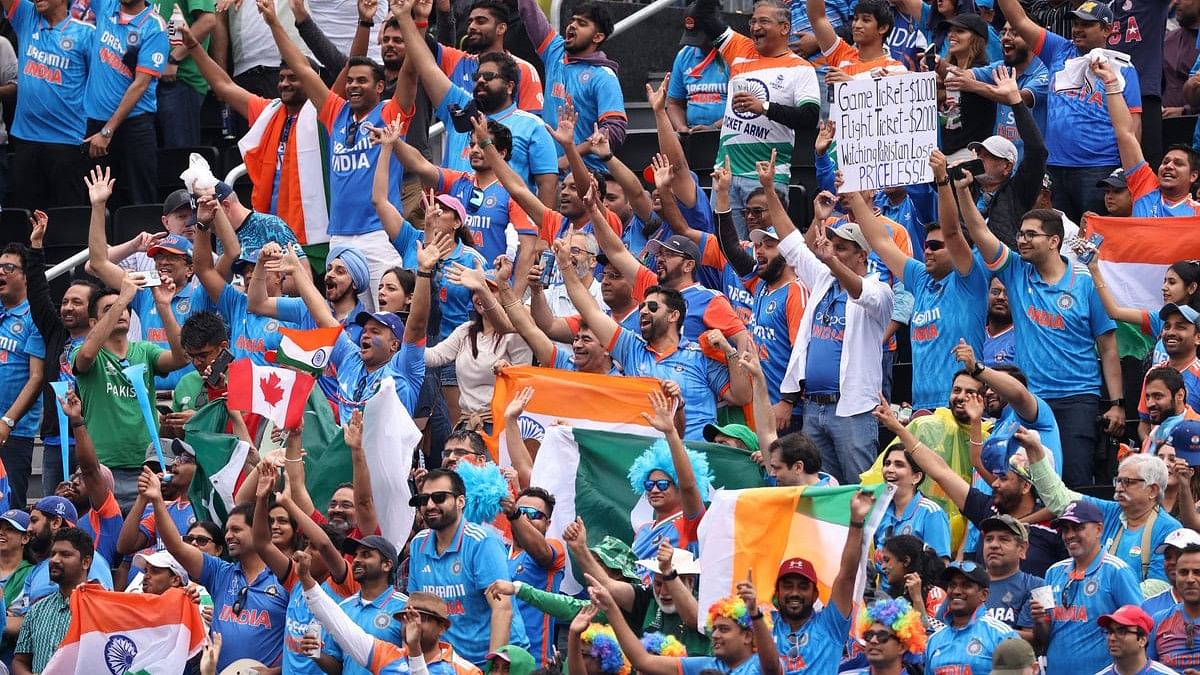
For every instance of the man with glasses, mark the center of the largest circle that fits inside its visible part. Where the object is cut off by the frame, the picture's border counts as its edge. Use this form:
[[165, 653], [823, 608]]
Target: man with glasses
[[536, 560], [1176, 629], [457, 561], [487, 27], [1060, 323], [1128, 631], [970, 634], [1087, 585], [583, 251], [22, 370], [143, 534]]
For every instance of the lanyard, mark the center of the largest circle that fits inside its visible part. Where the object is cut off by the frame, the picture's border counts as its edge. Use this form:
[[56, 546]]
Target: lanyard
[[1146, 543]]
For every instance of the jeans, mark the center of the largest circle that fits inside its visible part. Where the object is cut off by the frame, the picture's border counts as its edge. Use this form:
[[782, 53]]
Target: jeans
[[133, 156], [1075, 190], [380, 254], [178, 116], [17, 455], [52, 470], [848, 445], [432, 406], [1079, 431], [46, 175], [889, 360]]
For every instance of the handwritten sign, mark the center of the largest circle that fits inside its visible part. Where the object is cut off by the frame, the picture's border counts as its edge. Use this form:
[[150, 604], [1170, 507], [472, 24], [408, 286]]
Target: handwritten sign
[[886, 128]]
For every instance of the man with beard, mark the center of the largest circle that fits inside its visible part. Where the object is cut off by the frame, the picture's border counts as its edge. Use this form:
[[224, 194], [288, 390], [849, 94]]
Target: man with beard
[[353, 221], [372, 608], [347, 278], [487, 26], [457, 561], [662, 352], [46, 624], [1012, 489], [1180, 337], [48, 517], [1173, 627], [966, 642], [1165, 396], [777, 307], [143, 534], [948, 297], [583, 251], [999, 340], [249, 602], [493, 93], [536, 560]]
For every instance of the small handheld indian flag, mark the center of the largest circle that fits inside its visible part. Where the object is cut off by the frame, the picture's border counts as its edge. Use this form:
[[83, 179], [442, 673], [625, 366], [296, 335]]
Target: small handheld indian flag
[[306, 350], [277, 394], [132, 633]]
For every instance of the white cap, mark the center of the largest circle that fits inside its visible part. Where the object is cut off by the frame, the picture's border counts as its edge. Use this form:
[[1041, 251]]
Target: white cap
[[161, 560], [1181, 539], [682, 561], [997, 146], [758, 234]]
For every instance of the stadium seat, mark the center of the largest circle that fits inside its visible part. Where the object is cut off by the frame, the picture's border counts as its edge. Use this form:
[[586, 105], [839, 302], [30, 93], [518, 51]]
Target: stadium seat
[[798, 206], [1178, 130], [131, 220], [173, 161], [14, 226], [638, 149], [68, 228], [701, 150], [230, 157]]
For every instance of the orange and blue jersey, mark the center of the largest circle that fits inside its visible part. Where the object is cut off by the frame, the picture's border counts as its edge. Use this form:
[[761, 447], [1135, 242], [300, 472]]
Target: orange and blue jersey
[[103, 525], [256, 631], [774, 323], [713, 263], [300, 621], [631, 321], [1083, 107], [460, 67], [539, 626], [459, 575], [592, 88], [1148, 199], [1057, 327], [352, 157], [1080, 599], [1172, 641], [815, 647], [375, 617], [1191, 382], [188, 300], [706, 310], [490, 210], [701, 379], [53, 63], [701, 81], [966, 650], [555, 225], [124, 46], [20, 341], [390, 659], [679, 529], [532, 145]]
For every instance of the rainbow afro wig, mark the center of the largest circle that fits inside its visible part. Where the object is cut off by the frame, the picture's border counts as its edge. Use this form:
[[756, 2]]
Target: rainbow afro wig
[[600, 643], [486, 486], [900, 618], [731, 607], [660, 644], [658, 458]]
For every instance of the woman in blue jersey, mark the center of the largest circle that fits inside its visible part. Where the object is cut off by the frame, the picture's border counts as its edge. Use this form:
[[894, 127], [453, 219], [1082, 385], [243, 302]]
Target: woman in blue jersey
[[1181, 286], [910, 512]]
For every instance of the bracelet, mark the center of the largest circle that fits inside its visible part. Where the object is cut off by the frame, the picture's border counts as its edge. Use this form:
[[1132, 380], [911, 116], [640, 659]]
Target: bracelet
[[489, 308], [979, 443], [756, 616], [606, 158], [425, 275], [510, 304], [671, 576], [294, 461], [942, 183], [366, 24], [1114, 92], [859, 524], [76, 425]]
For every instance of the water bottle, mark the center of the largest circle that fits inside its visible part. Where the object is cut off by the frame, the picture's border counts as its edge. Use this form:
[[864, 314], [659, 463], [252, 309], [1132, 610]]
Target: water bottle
[[314, 631], [227, 122], [548, 268]]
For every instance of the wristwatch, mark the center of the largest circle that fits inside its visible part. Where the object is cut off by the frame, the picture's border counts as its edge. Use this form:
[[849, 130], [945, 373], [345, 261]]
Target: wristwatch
[[766, 106], [106, 132], [9, 421], [977, 369]]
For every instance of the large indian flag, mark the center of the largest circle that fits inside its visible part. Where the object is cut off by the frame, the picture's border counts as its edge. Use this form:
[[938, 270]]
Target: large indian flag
[[130, 633], [1137, 251], [755, 530], [587, 470], [582, 400]]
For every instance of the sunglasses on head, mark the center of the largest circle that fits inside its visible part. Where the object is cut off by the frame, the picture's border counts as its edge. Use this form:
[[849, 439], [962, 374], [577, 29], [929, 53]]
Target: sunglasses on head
[[240, 602], [650, 306], [662, 485], [438, 498], [531, 513]]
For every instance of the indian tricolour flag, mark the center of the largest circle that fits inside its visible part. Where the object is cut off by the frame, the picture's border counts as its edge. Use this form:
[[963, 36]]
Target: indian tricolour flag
[[587, 470], [755, 530], [582, 400], [1136, 252], [306, 350], [130, 633]]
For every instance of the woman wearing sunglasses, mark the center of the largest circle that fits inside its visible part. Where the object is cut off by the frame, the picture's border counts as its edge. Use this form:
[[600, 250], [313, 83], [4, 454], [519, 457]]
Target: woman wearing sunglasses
[[893, 638]]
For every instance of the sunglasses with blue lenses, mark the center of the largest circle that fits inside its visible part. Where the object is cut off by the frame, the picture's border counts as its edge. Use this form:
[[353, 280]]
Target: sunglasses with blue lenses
[[531, 513], [662, 485]]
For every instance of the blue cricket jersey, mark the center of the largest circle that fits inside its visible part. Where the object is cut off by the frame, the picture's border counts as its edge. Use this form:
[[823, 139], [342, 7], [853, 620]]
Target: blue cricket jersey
[[20, 341], [1080, 599], [52, 75], [119, 39]]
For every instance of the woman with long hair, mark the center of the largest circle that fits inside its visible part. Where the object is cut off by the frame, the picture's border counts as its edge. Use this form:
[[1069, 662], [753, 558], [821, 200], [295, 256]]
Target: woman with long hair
[[910, 569], [910, 512], [964, 117], [1181, 286]]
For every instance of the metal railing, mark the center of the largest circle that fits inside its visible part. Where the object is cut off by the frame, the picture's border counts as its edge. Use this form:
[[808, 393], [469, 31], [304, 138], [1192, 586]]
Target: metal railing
[[628, 22]]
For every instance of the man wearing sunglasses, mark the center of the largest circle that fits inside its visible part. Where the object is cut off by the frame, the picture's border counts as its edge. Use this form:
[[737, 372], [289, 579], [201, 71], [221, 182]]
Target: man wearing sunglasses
[[457, 561], [1087, 585], [970, 634], [536, 560]]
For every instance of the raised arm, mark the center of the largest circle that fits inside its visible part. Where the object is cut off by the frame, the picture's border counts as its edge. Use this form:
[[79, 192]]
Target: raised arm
[[333, 558], [432, 78], [1006, 386], [663, 420], [988, 244], [310, 80], [841, 595], [174, 358], [414, 163], [518, 454], [638, 198], [1026, 27], [823, 29], [682, 183], [515, 185], [388, 139], [1114, 310], [543, 348], [1118, 110], [364, 499], [189, 556], [601, 324], [935, 467], [780, 219], [575, 537], [609, 242], [642, 660], [956, 244], [220, 81], [877, 236], [99, 183], [292, 266], [277, 562], [96, 337], [85, 451]]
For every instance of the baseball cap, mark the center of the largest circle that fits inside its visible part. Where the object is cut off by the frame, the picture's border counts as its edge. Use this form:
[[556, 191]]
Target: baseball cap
[[985, 4], [997, 146], [1128, 615], [797, 566], [161, 560], [17, 518], [758, 234], [247, 258], [223, 190], [851, 232], [739, 431], [1094, 11], [1115, 180], [676, 244], [1181, 539], [172, 243], [426, 603], [682, 560], [971, 22], [385, 547], [177, 200], [1004, 521], [692, 36], [1012, 656], [1185, 439], [58, 506], [454, 205], [973, 571], [386, 318], [1079, 512], [1172, 308], [180, 447]]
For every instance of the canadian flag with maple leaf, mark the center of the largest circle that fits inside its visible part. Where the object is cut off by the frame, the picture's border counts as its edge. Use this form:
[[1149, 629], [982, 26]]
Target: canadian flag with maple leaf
[[277, 394]]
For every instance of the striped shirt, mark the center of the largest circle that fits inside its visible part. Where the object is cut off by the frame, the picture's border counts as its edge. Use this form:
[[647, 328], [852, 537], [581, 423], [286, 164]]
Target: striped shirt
[[43, 629]]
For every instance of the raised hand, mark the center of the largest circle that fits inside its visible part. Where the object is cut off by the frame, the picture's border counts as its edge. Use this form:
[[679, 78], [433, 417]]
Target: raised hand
[[860, 506], [211, 654], [884, 415], [353, 431], [479, 126], [599, 142], [149, 485], [823, 204], [747, 592], [99, 183], [766, 172], [299, 10], [823, 248], [965, 355], [663, 171], [268, 477], [664, 408], [1102, 70], [130, 285], [267, 9], [825, 134], [71, 405], [388, 135], [468, 277], [664, 555], [658, 97], [974, 405], [937, 162], [584, 618], [164, 292], [367, 9], [564, 134], [721, 177], [516, 407], [1006, 85], [37, 223]]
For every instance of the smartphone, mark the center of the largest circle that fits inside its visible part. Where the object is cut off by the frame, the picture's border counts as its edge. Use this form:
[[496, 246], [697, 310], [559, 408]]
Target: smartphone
[[930, 59], [973, 167], [1090, 248], [152, 279], [218, 368], [164, 409]]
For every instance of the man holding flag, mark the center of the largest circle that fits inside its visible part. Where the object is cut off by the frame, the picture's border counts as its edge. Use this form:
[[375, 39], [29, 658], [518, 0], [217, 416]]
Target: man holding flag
[[46, 624]]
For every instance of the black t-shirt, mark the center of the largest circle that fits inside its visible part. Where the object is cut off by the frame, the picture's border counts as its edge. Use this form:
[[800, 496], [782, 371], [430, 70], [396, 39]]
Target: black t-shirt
[[965, 118], [1045, 544]]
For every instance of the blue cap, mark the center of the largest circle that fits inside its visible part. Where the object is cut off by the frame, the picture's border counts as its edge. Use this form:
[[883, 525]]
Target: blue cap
[[1094, 11], [995, 456], [386, 318], [58, 506], [248, 257], [1171, 308], [17, 518], [172, 243], [1185, 439], [1080, 511]]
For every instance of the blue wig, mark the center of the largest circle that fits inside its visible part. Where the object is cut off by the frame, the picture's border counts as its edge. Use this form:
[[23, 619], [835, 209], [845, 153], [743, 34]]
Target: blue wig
[[658, 458], [486, 486]]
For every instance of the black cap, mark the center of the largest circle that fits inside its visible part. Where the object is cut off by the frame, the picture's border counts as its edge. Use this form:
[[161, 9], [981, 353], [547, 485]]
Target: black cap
[[1094, 11], [676, 244], [692, 35], [177, 200], [385, 547], [974, 572], [971, 22], [1115, 180]]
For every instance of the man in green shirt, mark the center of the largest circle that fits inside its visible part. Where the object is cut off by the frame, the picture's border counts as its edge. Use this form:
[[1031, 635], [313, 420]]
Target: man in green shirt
[[47, 621], [181, 89], [110, 405]]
